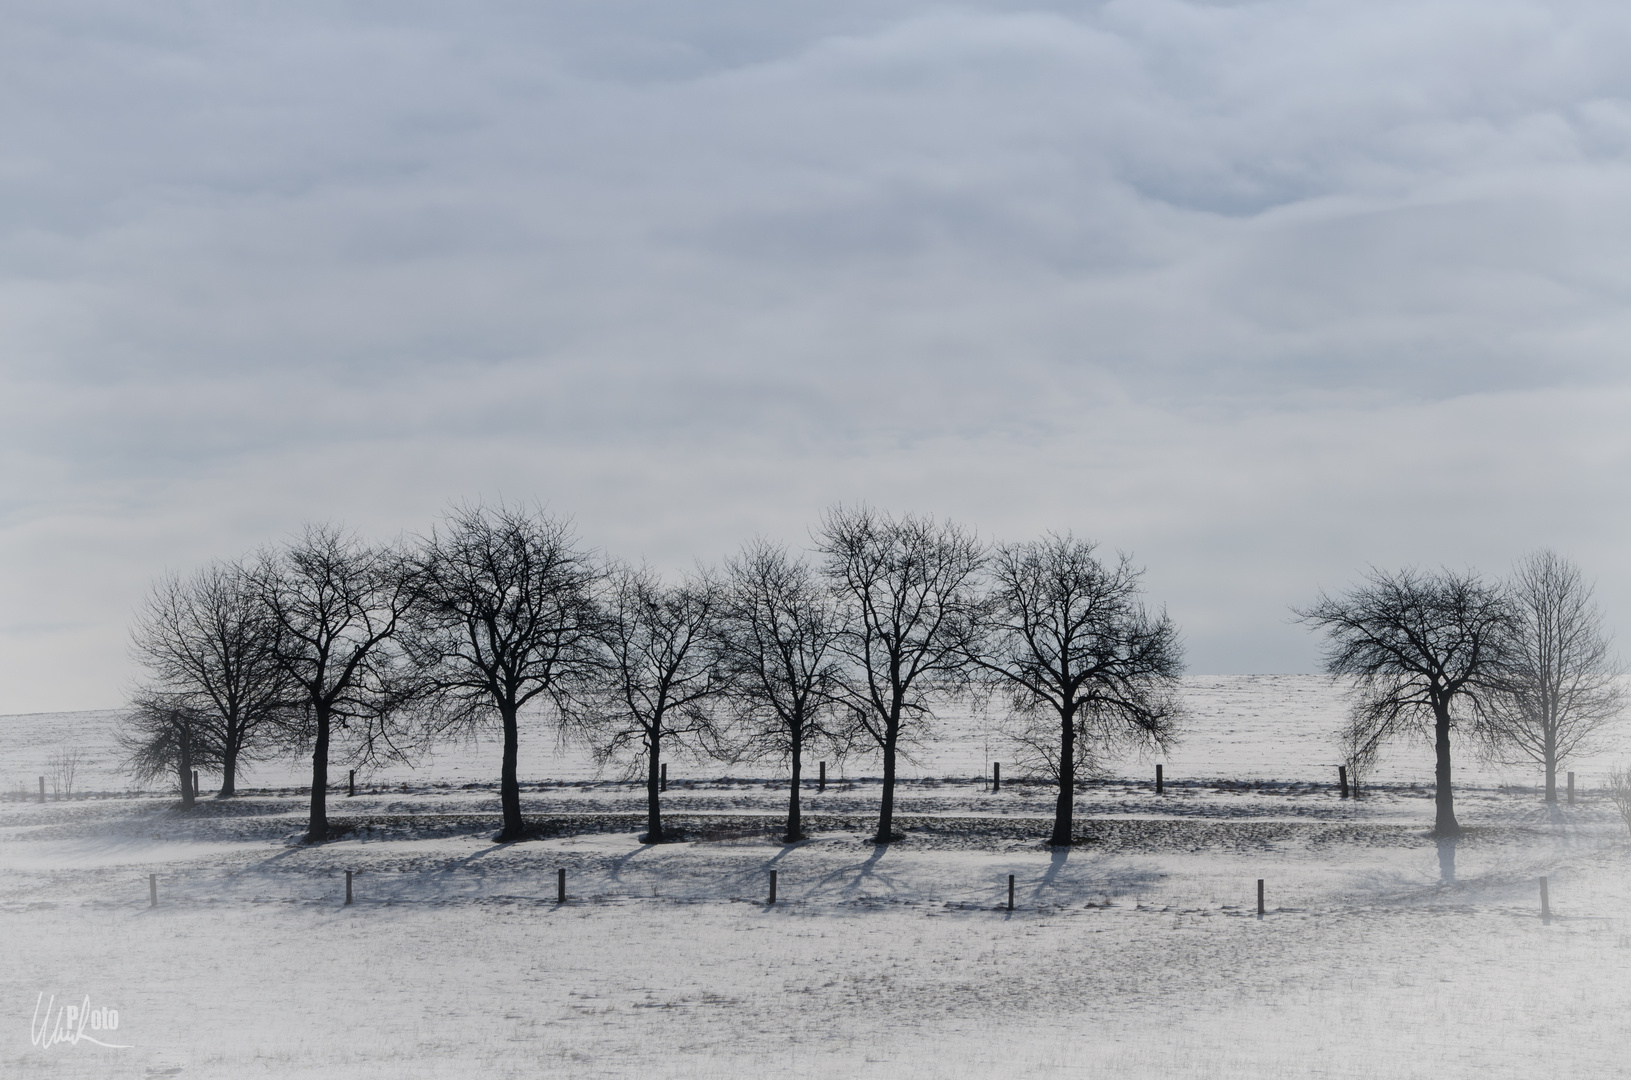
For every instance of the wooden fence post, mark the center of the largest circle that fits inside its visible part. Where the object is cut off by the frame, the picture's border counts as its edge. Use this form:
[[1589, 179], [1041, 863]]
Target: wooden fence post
[[152, 890], [821, 785], [560, 885], [351, 784], [1571, 789], [1342, 779], [1260, 897], [348, 886], [1159, 781], [662, 784], [996, 777], [773, 886], [42, 789], [195, 783], [1010, 892], [1545, 903]]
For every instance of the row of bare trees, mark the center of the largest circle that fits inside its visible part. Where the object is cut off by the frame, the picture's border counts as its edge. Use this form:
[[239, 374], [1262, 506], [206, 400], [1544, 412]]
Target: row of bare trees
[[1522, 668], [326, 642]]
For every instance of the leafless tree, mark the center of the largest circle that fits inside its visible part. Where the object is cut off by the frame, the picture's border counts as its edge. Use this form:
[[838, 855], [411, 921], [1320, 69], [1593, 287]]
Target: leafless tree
[[161, 736], [659, 677], [506, 618], [64, 764], [907, 590], [208, 642], [1359, 750], [1084, 666], [1423, 650], [1563, 680], [779, 634], [338, 604], [1619, 792]]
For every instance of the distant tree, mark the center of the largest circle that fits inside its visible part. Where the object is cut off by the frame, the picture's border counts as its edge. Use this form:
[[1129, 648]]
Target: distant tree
[[209, 645], [1422, 650], [1619, 792], [1359, 751], [780, 629], [907, 591], [338, 604], [161, 736], [659, 677], [1084, 666], [1563, 686], [506, 618], [65, 763]]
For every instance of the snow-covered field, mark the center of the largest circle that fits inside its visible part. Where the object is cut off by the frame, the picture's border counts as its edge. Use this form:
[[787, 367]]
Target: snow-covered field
[[1136, 954]]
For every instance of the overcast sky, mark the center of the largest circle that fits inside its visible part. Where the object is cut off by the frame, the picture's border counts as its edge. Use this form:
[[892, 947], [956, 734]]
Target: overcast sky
[[1261, 293]]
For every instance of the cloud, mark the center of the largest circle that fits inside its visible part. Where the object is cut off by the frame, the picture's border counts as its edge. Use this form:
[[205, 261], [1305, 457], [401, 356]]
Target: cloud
[[1261, 292]]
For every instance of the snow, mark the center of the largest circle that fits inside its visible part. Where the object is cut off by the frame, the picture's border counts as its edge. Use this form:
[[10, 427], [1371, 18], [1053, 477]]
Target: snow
[[1138, 954]]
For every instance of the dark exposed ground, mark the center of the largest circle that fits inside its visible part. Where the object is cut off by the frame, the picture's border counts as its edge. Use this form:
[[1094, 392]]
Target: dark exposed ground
[[1193, 816]]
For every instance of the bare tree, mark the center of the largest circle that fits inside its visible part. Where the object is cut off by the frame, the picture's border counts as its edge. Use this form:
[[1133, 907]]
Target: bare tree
[[506, 618], [1423, 650], [338, 604], [1563, 680], [208, 642], [162, 735], [1619, 792], [1085, 667], [64, 764], [779, 641], [1359, 751], [659, 676], [907, 589]]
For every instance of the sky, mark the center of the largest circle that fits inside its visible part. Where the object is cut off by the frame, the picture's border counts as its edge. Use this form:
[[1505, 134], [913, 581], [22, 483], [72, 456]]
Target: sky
[[1261, 293]]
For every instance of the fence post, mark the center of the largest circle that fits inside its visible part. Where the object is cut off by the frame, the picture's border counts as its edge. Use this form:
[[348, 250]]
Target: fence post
[[351, 784], [348, 886], [152, 890], [560, 885], [773, 886], [1010, 892], [1342, 779], [821, 785], [195, 783], [663, 782], [42, 789], [1260, 897], [1545, 903], [1160, 786], [996, 777], [1571, 789]]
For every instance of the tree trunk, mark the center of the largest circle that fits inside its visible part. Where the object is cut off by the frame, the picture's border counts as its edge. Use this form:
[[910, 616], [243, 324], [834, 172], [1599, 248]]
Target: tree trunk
[[317, 828], [1065, 810], [654, 805], [795, 831], [185, 763], [1549, 756], [229, 768], [509, 788], [1444, 823], [886, 812]]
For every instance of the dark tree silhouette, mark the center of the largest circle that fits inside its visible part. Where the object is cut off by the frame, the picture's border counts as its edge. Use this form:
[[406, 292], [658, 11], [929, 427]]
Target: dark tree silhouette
[[779, 635], [1421, 649], [505, 618], [1084, 666], [1564, 682], [338, 604], [211, 648], [659, 677], [161, 736], [907, 590]]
